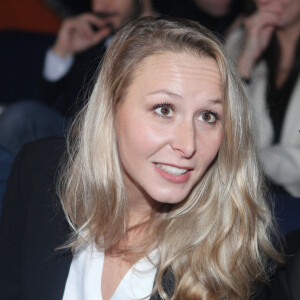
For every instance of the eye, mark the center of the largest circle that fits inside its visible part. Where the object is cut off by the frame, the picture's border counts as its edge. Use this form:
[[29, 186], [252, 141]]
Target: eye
[[164, 110], [208, 117]]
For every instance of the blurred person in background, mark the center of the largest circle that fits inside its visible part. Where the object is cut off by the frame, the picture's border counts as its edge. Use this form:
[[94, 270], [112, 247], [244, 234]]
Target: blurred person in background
[[267, 55], [81, 42], [217, 15], [69, 68], [68, 8]]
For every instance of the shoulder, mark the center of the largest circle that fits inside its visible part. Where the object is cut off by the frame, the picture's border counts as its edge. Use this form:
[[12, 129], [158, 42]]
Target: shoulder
[[33, 225], [32, 197], [44, 154], [48, 147], [36, 167], [285, 284]]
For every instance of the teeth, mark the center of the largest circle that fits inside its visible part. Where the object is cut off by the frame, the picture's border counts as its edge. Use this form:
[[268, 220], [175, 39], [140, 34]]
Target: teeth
[[172, 170]]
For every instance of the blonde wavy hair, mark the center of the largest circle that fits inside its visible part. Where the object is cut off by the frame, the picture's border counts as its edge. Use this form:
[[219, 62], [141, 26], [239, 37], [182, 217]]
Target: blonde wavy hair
[[217, 243]]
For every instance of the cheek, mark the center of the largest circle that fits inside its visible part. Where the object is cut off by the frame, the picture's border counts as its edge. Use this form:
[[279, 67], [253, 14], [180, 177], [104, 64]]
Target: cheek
[[137, 137], [208, 146]]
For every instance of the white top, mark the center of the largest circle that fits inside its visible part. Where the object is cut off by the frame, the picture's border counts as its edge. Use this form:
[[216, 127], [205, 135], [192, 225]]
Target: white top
[[56, 67], [85, 275]]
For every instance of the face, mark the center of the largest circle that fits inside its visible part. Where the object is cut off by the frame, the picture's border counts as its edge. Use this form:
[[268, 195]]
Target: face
[[122, 10], [288, 10], [169, 126], [216, 8]]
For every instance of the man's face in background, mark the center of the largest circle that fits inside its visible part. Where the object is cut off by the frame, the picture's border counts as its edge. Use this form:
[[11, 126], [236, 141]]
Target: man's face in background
[[118, 11]]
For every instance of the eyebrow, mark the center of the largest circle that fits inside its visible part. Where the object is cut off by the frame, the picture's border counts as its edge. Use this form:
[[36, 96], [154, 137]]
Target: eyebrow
[[166, 92], [216, 101], [174, 95]]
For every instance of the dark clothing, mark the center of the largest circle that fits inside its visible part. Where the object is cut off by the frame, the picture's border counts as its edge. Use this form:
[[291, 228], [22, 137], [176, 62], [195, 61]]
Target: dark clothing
[[33, 226], [21, 63], [69, 93], [50, 115], [27, 121], [6, 160], [278, 98], [285, 285]]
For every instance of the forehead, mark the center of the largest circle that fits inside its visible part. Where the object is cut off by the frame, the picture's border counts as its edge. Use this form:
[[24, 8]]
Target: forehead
[[183, 77], [179, 69]]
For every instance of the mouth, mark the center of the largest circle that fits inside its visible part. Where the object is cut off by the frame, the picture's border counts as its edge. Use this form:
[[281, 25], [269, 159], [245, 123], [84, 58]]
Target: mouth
[[108, 17], [171, 173], [171, 169]]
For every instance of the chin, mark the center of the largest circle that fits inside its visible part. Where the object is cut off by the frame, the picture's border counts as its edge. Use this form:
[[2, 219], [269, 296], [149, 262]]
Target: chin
[[168, 197]]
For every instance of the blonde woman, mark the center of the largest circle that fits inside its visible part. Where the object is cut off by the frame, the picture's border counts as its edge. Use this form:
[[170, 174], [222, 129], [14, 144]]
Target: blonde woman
[[160, 191]]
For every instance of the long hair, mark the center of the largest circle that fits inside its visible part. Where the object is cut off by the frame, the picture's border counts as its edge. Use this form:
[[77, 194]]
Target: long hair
[[218, 241]]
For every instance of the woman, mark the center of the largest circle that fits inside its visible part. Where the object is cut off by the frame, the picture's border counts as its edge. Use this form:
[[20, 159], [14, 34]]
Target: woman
[[267, 53], [160, 184]]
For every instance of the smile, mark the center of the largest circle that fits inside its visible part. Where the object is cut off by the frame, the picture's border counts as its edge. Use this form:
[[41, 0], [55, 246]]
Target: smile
[[173, 174], [172, 170]]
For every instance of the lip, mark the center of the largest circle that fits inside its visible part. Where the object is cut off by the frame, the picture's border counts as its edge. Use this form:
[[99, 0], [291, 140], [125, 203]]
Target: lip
[[173, 165], [171, 177]]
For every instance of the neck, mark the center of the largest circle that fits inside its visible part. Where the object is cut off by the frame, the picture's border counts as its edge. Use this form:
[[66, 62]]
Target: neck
[[137, 214], [138, 239], [140, 205]]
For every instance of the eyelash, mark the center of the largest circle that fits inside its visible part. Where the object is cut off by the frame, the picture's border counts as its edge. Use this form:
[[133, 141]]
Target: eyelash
[[156, 106], [159, 105], [215, 115]]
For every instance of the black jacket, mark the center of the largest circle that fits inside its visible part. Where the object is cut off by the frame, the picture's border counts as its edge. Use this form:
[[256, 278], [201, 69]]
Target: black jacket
[[286, 283], [69, 93]]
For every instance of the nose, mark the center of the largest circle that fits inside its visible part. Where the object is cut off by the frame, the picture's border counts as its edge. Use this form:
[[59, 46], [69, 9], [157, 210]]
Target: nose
[[184, 139]]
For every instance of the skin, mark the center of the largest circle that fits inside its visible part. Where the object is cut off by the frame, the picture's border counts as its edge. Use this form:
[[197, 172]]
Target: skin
[[216, 8], [281, 17], [76, 33], [187, 135]]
